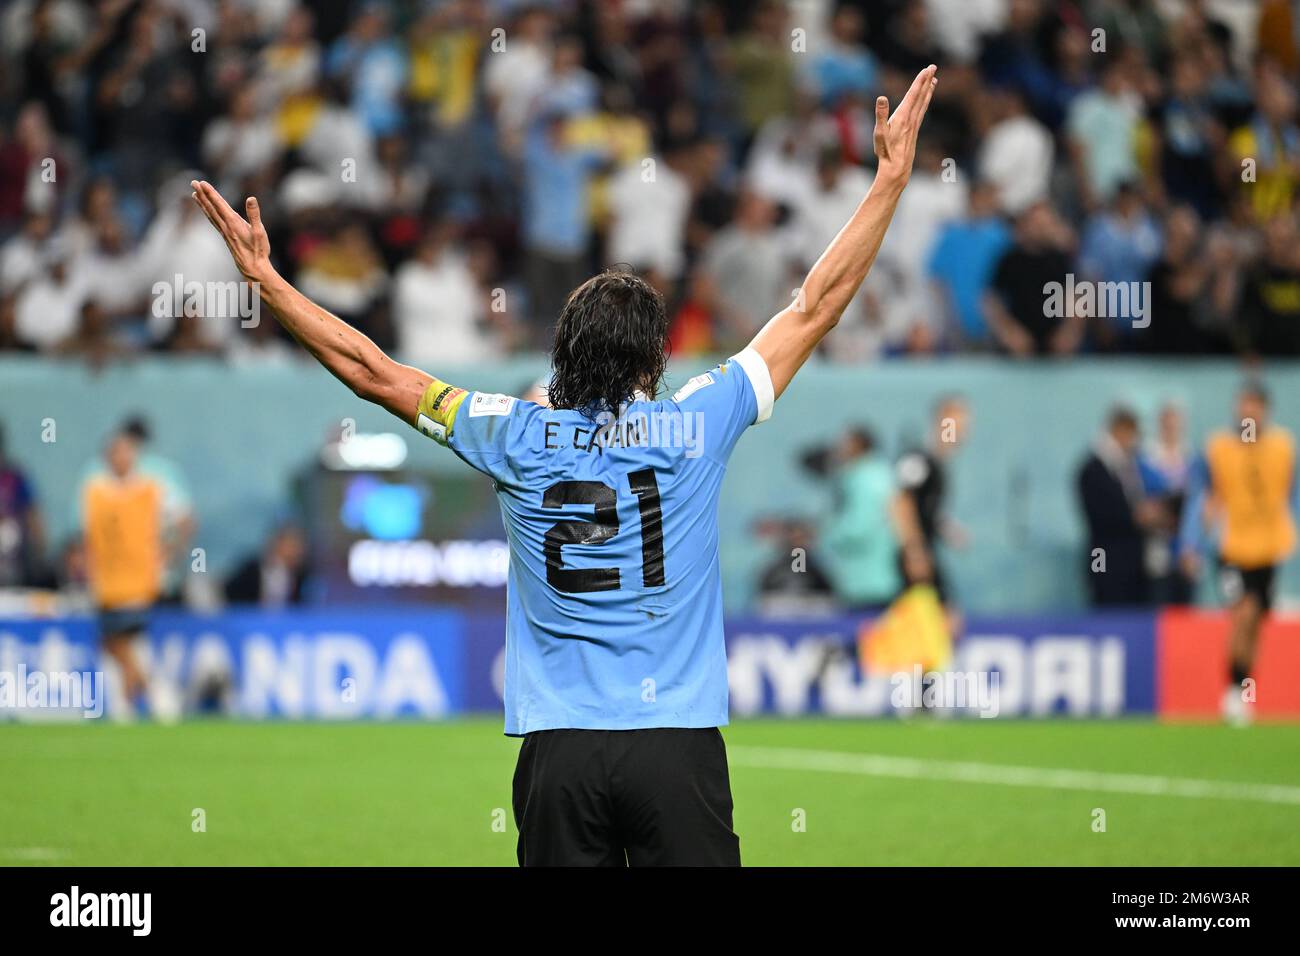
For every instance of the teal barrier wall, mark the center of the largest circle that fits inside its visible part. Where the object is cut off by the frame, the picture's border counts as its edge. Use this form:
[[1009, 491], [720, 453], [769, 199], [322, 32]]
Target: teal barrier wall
[[239, 433]]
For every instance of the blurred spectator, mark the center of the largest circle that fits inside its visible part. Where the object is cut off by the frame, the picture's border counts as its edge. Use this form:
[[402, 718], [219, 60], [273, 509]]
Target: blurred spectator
[[844, 66], [570, 89], [907, 43], [22, 532], [794, 582], [446, 46], [835, 194], [1119, 245], [747, 265], [345, 275], [1016, 153], [274, 578], [555, 227], [962, 263], [762, 64], [48, 309], [516, 73], [98, 207], [181, 242], [1270, 294], [341, 148], [1102, 126], [1023, 319], [649, 202], [130, 118], [1118, 515], [239, 143], [782, 162], [1016, 56], [959, 25], [375, 64], [25, 256], [1166, 468], [1267, 149], [1192, 138], [698, 326], [33, 168], [1184, 293], [92, 340], [289, 65], [361, 126], [935, 196], [109, 270], [1135, 24], [438, 308]]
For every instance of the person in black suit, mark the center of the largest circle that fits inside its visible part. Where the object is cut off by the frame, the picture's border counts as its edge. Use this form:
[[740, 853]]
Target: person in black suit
[[1118, 515], [273, 578]]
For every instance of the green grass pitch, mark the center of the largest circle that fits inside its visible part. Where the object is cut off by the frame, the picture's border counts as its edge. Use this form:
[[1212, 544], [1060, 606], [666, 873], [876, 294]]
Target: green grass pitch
[[430, 793]]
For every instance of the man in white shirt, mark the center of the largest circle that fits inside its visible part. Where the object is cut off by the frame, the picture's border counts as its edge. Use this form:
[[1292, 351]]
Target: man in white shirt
[[649, 203], [1016, 155], [438, 306], [838, 189]]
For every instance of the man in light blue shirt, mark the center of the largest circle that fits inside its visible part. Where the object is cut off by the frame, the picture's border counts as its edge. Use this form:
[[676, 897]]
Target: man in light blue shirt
[[615, 665]]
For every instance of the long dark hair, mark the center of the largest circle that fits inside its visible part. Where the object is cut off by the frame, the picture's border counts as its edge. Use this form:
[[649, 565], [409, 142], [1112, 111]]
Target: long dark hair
[[611, 339]]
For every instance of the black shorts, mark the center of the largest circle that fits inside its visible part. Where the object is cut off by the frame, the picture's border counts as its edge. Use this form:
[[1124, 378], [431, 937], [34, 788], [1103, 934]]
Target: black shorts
[[1236, 581], [658, 797], [122, 621]]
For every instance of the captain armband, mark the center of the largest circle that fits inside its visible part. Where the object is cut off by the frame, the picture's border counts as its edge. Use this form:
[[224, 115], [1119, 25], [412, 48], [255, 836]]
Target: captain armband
[[437, 412]]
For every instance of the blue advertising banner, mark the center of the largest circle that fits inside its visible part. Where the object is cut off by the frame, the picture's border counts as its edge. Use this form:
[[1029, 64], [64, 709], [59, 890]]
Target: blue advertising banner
[[439, 662], [1081, 666]]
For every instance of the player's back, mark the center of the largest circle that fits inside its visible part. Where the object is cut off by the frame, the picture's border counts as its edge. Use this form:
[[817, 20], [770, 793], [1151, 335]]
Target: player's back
[[614, 606]]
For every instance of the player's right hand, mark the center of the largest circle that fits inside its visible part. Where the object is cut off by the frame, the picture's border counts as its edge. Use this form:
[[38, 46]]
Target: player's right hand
[[245, 238]]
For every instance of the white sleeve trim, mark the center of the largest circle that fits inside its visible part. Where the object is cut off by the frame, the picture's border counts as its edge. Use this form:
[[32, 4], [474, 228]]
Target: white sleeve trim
[[759, 377]]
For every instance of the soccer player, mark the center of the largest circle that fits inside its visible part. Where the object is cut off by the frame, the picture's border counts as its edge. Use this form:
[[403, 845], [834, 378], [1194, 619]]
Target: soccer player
[[121, 510], [1245, 485], [616, 673]]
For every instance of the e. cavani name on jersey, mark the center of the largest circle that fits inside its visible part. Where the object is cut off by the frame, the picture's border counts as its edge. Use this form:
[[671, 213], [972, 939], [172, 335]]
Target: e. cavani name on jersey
[[663, 427], [614, 590]]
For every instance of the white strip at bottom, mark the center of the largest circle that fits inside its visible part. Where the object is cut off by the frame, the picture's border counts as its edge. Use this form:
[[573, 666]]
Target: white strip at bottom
[[913, 768]]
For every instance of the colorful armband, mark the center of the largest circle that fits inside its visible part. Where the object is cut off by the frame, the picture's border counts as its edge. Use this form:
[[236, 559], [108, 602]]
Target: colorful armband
[[438, 406]]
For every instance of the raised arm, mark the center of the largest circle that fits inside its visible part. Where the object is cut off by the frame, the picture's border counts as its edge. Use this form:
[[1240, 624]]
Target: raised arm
[[790, 336], [349, 355]]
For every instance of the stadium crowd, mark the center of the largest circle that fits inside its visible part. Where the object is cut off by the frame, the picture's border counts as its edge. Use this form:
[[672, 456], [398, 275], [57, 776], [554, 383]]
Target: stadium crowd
[[440, 174]]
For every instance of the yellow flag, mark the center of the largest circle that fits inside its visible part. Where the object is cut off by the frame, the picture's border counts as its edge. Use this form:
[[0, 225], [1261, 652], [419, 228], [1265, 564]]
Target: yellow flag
[[913, 630]]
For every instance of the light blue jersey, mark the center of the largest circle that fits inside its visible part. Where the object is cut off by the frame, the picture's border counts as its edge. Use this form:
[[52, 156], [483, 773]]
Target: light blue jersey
[[614, 598]]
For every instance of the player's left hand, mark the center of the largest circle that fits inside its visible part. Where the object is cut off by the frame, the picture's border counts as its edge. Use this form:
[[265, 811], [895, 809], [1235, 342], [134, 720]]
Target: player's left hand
[[895, 136]]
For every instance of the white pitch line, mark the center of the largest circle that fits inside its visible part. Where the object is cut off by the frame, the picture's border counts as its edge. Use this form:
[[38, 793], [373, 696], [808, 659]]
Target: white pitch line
[[911, 768], [32, 854]]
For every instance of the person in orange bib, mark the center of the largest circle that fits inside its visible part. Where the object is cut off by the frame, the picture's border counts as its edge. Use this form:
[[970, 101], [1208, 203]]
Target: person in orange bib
[[122, 514], [1244, 489]]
